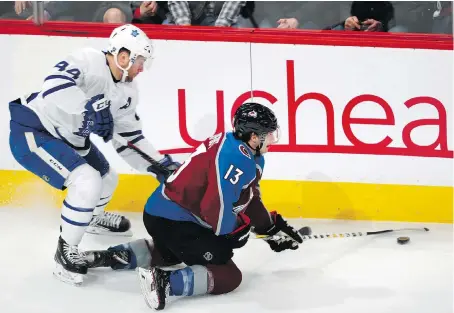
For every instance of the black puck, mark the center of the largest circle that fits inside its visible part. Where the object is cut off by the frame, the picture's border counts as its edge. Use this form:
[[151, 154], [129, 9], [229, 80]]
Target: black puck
[[403, 240]]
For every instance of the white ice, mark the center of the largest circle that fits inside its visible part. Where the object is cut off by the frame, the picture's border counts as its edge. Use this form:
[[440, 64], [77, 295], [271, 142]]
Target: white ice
[[370, 274]]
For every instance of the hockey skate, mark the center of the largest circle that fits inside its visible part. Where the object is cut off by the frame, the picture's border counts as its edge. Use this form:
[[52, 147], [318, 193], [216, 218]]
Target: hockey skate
[[111, 224], [70, 265], [155, 286], [116, 259]]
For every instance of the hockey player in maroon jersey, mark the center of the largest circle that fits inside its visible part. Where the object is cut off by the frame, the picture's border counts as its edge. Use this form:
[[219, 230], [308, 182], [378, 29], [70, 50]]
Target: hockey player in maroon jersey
[[202, 212]]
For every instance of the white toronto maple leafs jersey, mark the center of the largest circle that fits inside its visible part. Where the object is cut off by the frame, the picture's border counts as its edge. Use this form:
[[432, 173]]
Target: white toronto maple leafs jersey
[[60, 105]]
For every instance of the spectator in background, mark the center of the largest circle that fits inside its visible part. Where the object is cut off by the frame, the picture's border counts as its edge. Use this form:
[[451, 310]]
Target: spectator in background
[[288, 23], [442, 18], [371, 16], [6, 8], [18, 10], [296, 14], [119, 12], [204, 13], [149, 12], [89, 11]]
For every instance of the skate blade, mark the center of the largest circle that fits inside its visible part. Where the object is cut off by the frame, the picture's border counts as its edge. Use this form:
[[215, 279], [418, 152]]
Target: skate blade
[[68, 277], [105, 232], [145, 279]]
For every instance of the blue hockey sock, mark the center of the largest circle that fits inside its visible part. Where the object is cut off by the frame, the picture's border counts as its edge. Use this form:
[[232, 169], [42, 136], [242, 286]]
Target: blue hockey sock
[[189, 281]]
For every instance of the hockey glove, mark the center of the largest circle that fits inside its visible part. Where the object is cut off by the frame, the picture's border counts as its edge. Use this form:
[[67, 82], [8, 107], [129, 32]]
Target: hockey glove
[[98, 118], [239, 237], [168, 163], [280, 243]]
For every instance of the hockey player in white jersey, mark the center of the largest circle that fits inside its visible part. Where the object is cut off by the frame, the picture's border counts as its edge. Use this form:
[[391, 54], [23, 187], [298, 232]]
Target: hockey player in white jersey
[[89, 92]]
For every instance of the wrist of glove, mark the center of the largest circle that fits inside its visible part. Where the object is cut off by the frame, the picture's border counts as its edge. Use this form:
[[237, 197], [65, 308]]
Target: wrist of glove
[[168, 163], [290, 239], [239, 237]]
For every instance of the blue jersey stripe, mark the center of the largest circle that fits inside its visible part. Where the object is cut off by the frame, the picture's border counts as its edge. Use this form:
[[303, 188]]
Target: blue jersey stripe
[[234, 171], [139, 138], [67, 220], [77, 209], [130, 134], [57, 88]]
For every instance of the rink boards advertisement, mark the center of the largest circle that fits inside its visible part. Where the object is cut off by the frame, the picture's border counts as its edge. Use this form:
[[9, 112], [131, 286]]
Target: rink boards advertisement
[[366, 132]]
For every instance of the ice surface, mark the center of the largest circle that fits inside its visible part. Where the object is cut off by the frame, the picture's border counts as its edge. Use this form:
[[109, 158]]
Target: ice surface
[[370, 274]]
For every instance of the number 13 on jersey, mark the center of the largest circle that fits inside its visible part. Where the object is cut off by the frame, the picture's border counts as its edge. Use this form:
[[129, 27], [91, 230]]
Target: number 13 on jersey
[[233, 177]]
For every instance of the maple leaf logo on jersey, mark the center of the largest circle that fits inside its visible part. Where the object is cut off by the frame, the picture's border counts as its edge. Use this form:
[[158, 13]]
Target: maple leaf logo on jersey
[[128, 103], [135, 33]]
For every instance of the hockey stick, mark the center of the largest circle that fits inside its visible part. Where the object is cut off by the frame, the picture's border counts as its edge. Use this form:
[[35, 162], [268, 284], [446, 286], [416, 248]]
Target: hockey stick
[[157, 167], [360, 234], [346, 235]]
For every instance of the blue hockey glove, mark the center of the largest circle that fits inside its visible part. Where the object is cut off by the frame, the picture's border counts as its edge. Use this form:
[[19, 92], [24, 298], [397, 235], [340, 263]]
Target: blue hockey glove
[[97, 118], [168, 163]]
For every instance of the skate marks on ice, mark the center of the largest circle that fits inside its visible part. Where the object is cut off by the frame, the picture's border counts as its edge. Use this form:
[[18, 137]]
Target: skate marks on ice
[[300, 280], [354, 275], [372, 274]]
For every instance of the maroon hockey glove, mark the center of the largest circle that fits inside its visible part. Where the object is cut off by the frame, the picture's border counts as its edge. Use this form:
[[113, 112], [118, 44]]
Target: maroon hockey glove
[[280, 243], [238, 238]]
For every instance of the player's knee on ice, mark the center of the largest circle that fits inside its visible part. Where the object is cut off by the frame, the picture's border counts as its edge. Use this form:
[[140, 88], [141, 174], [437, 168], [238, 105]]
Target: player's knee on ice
[[225, 278], [198, 280]]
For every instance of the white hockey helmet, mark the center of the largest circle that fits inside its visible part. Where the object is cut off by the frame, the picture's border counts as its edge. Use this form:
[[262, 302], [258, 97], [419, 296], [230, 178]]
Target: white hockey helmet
[[135, 41]]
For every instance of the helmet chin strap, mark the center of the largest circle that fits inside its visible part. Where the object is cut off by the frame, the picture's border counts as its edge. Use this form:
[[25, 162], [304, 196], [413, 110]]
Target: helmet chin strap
[[259, 147], [124, 71]]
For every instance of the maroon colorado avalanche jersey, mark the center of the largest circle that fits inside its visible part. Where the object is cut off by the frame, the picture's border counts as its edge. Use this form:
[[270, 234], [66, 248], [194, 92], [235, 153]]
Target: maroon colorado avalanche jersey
[[219, 180]]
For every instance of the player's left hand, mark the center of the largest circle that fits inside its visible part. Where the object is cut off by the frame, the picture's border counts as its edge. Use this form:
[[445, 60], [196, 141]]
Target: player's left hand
[[98, 118], [280, 243], [167, 162]]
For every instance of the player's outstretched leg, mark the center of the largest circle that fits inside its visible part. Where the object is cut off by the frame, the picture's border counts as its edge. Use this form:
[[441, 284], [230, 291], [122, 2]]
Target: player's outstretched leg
[[137, 253], [121, 257], [116, 259]]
